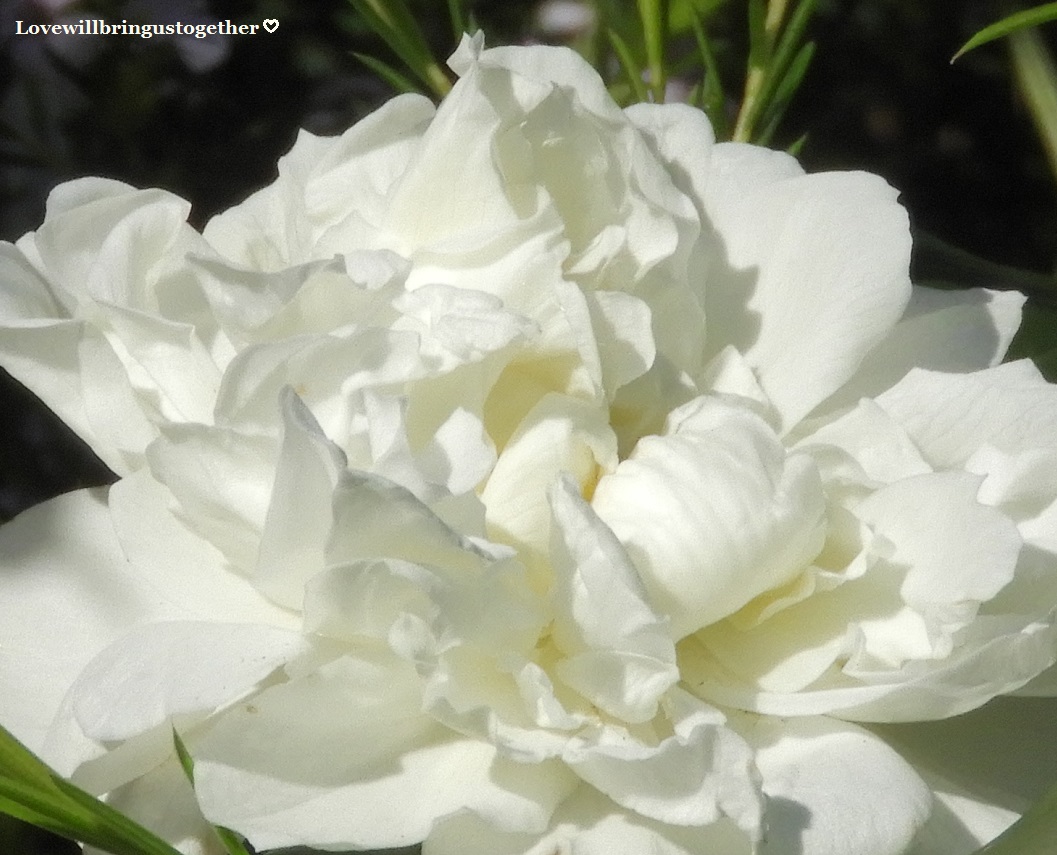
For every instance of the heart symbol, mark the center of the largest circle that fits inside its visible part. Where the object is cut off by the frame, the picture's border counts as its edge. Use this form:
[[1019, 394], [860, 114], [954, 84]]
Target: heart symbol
[[271, 24]]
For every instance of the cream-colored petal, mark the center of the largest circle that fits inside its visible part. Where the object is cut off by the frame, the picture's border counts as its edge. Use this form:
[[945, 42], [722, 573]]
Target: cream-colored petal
[[713, 513]]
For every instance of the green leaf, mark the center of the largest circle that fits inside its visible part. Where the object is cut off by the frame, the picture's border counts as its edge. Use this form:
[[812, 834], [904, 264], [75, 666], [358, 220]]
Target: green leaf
[[1037, 340], [713, 99], [759, 43], [681, 13], [785, 73], [32, 792], [389, 74], [938, 260], [1018, 21], [654, 17], [1037, 79], [458, 20], [393, 22], [797, 146], [787, 87], [232, 842], [630, 66]]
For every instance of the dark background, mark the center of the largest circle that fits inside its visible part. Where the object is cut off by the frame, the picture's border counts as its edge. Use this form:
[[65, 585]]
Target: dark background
[[208, 119]]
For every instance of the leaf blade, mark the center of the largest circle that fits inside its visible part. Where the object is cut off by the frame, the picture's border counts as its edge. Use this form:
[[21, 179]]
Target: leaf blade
[[1011, 24]]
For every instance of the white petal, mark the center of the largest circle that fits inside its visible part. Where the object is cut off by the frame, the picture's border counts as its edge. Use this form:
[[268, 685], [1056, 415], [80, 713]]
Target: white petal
[[713, 513], [111, 241], [187, 578], [835, 789], [163, 802], [560, 434], [73, 370], [172, 668], [876, 441], [374, 518], [299, 518], [700, 772], [952, 331], [73, 583], [459, 455], [587, 823], [950, 416], [27, 294], [908, 627], [342, 758], [291, 221], [458, 325], [810, 271], [222, 480], [958, 552], [92, 586], [179, 377], [325, 370], [619, 652], [452, 188]]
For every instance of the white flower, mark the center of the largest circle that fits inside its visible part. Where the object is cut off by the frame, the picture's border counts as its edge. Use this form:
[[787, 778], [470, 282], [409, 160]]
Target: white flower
[[527, 475]]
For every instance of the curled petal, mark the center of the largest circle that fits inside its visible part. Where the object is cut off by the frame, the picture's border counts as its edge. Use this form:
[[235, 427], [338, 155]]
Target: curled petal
[[700, 772], [619, 652], [713, 513]]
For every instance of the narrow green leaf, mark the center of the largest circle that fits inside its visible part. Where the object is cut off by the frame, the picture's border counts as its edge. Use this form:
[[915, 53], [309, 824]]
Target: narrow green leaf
[[393, 22], [1018, 21], [759, 44], [763, 80], [712, 97], [1037, 338], [232, 842], [32, 806], [32, 792], [788, 52], [797, 146], [19, 763], [458, 20], [631, 68], [793, 35], [654, 17], [1037, 79], [187, 762], [784, 95], [794, 75], [389, 74], [132, 836], [682, 12], [935, 259]]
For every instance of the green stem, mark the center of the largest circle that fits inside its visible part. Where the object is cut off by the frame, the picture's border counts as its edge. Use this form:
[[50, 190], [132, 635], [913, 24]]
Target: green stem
[[765, 34], [438, 80], [776, 10], [654, 16], [756, 76]]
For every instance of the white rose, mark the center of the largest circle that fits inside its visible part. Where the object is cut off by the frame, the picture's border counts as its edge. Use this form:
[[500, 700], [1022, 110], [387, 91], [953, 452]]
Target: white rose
[[528, 475]]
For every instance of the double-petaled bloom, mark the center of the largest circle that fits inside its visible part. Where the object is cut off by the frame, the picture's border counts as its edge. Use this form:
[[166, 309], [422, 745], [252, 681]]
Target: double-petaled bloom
[[528, 475]]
